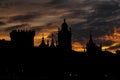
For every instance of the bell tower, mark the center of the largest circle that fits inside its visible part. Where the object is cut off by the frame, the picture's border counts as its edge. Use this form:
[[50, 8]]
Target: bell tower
[[64, 37]]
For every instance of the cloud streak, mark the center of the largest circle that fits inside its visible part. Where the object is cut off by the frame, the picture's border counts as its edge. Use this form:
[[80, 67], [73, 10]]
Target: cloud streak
[[23, 18], [21, 26], [46, 16], [2, 23]]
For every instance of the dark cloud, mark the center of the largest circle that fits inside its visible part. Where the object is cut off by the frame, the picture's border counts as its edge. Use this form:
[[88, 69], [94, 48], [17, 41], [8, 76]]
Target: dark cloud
[[60, 4], [104, 11], [54, 2], [100, 16], [107, 43], [24, 18], [49, 26], [3, 4], [37, 28], [2, 23], [106, 7], [77, 14], [97, 21], [6, 4], [114, 47], [16, 27], [55, 35], [2, 17]]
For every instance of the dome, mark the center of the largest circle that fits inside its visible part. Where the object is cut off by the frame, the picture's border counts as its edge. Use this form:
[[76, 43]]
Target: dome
[[64, 25]]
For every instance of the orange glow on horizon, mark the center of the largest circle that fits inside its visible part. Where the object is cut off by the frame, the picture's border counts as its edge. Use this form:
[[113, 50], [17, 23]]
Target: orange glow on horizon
[[38, 38], [114, 37], [76, 46]]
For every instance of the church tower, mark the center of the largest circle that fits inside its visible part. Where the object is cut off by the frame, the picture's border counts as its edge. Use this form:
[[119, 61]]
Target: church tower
[[92, 48], [52, 42], [43, 45], [22, 38], [64, 37]]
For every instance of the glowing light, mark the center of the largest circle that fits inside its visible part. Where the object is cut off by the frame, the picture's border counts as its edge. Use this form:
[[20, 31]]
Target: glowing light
[[105, 47], [77, 47], [114, 37]]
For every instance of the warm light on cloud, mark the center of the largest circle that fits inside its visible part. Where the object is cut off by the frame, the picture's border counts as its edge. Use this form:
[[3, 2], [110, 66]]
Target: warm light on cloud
[[104, 48], [38, 38], [45, 16], [77, 47], [4, 35], [115, 38], [45, 33]]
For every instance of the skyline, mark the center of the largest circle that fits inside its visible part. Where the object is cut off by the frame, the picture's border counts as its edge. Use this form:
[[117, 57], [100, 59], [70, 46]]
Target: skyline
[[45, 17]]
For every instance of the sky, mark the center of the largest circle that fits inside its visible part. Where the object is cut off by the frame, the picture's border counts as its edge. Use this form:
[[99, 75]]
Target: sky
[[102, 17]]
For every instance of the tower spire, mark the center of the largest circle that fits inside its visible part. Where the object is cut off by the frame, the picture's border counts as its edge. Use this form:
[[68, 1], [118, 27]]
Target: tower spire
[[64, 20], [42, 41], [48, 43], [42, 35], [91, 40], [64, 26], [64, 37], [52, 41]]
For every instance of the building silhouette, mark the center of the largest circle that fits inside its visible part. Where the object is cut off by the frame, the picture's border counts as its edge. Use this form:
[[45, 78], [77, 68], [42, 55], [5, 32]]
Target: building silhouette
[[47, 45], [25, 39], [92, 48], [43, 44], [52, 45], [47, 61], [5, 44], [64, 37], [22, 38]]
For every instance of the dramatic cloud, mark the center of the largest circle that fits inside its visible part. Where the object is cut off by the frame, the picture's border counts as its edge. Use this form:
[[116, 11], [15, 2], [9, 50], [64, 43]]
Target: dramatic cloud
[[115, 47], [2, 23], [23, 18], [83, 16], [54, 2], [22, 26]]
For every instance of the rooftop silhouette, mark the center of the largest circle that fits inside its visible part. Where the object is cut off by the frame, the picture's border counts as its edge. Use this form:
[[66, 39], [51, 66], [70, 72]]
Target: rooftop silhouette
[[53, 61]]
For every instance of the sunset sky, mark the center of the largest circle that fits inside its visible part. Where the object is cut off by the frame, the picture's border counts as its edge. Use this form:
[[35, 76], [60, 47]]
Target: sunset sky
[[102, 17]]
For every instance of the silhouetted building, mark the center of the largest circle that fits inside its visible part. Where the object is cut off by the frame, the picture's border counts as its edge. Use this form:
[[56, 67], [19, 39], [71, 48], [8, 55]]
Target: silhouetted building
[[5, 44], [43, 44], [64, 37], [52, 45], [92, 48], [118, 52], [43, 62], [22, 38]]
